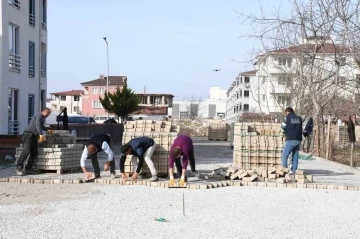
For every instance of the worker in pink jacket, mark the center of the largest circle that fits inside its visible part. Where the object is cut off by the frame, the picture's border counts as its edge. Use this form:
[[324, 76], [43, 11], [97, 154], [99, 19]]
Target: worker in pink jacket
[[182, 146]]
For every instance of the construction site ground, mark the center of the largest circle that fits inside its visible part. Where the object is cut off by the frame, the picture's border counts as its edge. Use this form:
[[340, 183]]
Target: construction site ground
[[210, 155], [60, 210]]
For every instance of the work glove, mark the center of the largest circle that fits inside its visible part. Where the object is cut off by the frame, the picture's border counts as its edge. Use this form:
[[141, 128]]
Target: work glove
[[49, 132], [182, 181], [172, 182], [42, 139]]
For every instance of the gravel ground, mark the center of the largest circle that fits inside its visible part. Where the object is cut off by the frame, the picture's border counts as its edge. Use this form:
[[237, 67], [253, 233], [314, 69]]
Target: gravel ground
[[112, 211]]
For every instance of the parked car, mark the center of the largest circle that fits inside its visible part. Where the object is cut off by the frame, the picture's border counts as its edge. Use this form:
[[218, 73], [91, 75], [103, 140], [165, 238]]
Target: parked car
[[79, 119], [102, 118]]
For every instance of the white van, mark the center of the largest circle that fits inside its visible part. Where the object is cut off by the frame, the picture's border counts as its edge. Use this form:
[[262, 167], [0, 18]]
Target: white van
[[101, 118]]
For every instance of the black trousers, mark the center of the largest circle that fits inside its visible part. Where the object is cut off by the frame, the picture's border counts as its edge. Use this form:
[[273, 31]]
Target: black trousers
[[95, 163], [30, 146], [191, 159]]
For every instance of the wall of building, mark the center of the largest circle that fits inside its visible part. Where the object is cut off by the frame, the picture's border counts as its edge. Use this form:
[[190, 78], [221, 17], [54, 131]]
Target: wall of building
[[91, 105], [70, 102], [21, 81]]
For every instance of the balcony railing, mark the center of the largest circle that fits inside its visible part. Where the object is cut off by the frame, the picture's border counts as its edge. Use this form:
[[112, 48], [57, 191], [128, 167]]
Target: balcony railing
[[13, 127], [15, 3], [43, 73], [43, 25], [14, 62], [32, 20], [31, 71]]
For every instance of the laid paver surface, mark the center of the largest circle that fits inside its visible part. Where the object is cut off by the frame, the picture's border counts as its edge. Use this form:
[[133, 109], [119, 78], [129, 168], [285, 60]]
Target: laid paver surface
[[214, 154]]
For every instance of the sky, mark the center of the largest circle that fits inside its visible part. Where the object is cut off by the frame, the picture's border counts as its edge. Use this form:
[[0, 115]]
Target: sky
[[166, 45]]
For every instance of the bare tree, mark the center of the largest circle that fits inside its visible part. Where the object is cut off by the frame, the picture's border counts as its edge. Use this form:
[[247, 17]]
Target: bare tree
[[194, 107], [312, 53]]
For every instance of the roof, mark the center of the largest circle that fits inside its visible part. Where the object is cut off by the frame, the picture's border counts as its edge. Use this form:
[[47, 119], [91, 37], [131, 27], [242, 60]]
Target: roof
[[312, 48], [113, 80], [156, 94], [248, 73], [70, 92]]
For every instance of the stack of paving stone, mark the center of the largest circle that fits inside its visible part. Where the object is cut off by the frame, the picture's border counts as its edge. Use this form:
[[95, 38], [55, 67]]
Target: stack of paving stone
[[257, 145], [160, 156], [218, 131], [272, 174], [147, 126], [59, 153]]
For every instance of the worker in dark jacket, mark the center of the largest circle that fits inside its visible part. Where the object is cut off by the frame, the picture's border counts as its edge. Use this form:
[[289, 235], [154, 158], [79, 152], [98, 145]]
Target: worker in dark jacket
[[141, 149], [292, 128], [182, 146], [32, 135], [96, 144]]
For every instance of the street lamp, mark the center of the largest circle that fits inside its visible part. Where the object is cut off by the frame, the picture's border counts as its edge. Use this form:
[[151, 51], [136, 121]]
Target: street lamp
[[108, 76]]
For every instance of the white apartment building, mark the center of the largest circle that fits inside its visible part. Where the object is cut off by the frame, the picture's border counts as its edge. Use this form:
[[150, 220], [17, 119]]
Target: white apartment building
[[212, 108], [276, 82], [69, 99], [240, 96], [23, 82]]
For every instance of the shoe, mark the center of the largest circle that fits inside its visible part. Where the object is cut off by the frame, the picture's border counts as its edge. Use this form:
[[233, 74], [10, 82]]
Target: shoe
[[97, 175], [113, 175], [154, 178], [19, 172], [195, 173]]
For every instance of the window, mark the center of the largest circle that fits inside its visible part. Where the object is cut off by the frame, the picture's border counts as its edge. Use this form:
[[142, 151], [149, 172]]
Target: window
[[284, 80], [97, 104], [63, 98], [43, 59], [14, 124], [43, 14], [32, 13], [31, 59], [14, 3], [240, 93], [14, 58], [101, 90], [239, 107], [246, 107], [76, 109], [246, 94], [76, 98], [284, 100], [43, 99], [247, 79], [95, 90], [31, 105], [285, 61]]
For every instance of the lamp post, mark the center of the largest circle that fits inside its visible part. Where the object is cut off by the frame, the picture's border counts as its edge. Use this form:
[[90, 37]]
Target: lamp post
[[108, 76]]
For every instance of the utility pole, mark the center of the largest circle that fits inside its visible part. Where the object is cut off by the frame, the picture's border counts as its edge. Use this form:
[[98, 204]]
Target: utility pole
[[108, 76]]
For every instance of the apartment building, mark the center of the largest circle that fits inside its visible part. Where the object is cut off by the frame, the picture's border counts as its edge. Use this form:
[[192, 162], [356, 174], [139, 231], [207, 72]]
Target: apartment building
[[70, 99], [23, 53], [240, 96], [91, 105], [213, 107]]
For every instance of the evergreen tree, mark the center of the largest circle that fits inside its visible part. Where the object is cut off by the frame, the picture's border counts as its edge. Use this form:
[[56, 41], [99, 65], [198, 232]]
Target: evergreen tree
[[121, 103]]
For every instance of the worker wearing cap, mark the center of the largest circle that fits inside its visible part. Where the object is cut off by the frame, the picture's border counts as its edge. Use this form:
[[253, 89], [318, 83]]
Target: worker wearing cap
[[182, 146], [96, 144]]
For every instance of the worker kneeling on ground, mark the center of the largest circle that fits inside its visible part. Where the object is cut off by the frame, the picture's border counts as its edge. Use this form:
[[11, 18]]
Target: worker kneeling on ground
[[141, 148], [182, 146], [96, 144]]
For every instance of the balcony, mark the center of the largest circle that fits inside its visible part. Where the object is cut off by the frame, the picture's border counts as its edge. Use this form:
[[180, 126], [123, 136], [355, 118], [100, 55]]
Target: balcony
[[14, 3], [14, 62], [32, 20]]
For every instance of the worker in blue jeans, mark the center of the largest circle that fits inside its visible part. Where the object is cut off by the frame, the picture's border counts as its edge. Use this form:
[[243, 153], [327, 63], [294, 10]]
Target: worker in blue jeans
[[291, 126]]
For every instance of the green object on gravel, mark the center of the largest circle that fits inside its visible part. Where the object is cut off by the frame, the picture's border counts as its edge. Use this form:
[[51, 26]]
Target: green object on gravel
[[306, 157], [160, 219]]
